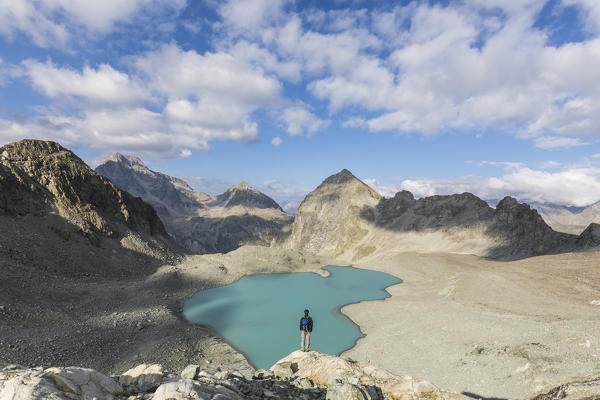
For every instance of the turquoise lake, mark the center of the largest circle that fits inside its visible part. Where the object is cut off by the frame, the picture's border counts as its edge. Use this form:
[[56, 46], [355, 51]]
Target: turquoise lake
[[259, 315]]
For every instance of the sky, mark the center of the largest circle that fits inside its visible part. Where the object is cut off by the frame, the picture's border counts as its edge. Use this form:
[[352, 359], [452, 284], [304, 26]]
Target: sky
[[494, 97]]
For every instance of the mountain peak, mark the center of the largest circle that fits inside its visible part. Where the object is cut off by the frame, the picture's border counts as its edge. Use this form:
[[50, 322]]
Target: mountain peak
[[341, 177], [28, 149], [241, 186], [123, 159], [243, 194]]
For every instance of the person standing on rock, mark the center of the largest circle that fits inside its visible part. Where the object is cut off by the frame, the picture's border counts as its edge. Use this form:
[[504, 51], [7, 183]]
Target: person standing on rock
[[306, 325]]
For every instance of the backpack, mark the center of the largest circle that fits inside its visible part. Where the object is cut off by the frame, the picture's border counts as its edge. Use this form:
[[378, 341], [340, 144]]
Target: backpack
[[304, 323]]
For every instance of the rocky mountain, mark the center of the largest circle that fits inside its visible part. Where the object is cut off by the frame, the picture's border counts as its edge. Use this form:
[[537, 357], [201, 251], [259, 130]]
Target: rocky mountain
[[346, 219], [568, 219], [335, 216], [199, 222], [54, 207]]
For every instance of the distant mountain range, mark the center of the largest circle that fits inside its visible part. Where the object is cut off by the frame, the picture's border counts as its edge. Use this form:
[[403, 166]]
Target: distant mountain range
[[568, 219], [199, 222], [345, 219], [54, 207]]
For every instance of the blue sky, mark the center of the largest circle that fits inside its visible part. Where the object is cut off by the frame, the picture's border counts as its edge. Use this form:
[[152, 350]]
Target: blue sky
[[495, 97]]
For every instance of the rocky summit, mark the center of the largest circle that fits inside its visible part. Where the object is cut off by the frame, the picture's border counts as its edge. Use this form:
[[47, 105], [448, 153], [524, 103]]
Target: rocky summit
[[346, 219], [199, 222]]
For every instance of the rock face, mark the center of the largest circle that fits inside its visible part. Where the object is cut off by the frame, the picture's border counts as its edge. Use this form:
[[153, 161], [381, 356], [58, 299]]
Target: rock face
[[312, 376], [17, 383], [585, 390], [568, 219], [56, 211], [197, 221], [38, 177], [590, 237], [335, 216], [348, 379], [346, 219]]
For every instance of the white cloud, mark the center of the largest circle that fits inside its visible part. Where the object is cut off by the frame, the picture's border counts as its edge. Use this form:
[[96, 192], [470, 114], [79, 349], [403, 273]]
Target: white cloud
[[589, 10], [558, 142], [504, 164], [276, 141], [251, 15], [170, 103], [103, 85], [22, 16], [300, 121], [291, 207], [284, 193], [469, 65], [216, 76], [38, 19], [550, 164]]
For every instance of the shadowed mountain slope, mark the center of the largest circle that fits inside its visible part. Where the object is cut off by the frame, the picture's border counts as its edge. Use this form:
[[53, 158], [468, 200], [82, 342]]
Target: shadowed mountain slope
[[201, 223], [345, 218], [58, 213]]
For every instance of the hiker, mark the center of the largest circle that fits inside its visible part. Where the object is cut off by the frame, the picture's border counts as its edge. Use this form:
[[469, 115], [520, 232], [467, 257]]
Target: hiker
[[306, 325]]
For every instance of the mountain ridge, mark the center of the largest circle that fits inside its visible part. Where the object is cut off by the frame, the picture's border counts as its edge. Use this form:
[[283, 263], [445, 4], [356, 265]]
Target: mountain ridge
[[200, 222], [463, 223]]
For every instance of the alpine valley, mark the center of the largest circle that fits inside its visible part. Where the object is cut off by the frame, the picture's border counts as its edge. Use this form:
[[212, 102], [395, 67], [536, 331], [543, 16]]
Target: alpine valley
[[95, 266]]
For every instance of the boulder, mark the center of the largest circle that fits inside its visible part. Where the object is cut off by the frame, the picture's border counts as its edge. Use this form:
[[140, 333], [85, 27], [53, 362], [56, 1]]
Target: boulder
[[283, 370], [263, 374], [143, 375], [355, 378], [58, 384], [190, 372], [188, 389], [346, 391]]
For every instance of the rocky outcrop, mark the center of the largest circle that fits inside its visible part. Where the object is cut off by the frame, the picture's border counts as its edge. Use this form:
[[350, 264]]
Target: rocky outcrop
[[201, 223], [338, 214], [307, 376], [590, 237], [38, 177], [60, 215], [346, 219], [17, 383], [348, 379], [584, 390]]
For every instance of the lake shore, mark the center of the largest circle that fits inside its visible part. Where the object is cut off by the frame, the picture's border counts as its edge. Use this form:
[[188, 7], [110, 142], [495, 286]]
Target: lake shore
[[493, 329], [113, 325]]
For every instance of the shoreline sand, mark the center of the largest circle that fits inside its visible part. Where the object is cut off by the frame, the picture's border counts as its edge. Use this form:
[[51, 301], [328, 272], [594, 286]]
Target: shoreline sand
[[492, 329]]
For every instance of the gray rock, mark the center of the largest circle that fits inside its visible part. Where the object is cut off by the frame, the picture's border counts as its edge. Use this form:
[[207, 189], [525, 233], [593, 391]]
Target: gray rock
[[193, 390], [143, 374], [221, 374], [190, 372], [346, 391], [58, 384], [304, 383], [236, 374], [263, 374], [283, 370]]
